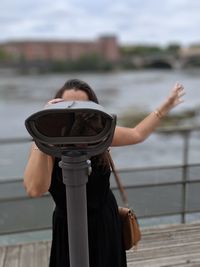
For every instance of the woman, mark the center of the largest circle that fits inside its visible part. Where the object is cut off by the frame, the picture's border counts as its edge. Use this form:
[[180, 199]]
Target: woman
[[43, 174]]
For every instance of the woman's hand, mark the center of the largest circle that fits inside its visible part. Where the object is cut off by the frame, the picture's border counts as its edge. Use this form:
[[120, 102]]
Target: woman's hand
[[175, 96], [54, 101]]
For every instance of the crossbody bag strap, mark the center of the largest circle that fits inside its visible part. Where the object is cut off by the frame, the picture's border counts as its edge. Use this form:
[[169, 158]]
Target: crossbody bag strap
[[118, 181]]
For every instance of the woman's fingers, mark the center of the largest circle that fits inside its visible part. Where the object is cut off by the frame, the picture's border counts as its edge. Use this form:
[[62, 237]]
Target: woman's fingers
[[54, 101], [181, 93], [179, 89], [176, 94]]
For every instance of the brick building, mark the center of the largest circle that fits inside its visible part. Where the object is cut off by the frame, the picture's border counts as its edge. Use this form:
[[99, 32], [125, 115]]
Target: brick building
[[29, 51]]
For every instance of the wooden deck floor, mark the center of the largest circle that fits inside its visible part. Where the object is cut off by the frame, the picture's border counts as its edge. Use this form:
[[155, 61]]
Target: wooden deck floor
[[177, 246]]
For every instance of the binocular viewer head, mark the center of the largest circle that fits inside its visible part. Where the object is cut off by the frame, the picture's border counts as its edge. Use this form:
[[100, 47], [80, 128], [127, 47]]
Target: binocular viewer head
[[72, 125]]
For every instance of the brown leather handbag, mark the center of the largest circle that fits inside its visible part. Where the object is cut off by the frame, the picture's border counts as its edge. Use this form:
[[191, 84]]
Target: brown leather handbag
[[130, 226]]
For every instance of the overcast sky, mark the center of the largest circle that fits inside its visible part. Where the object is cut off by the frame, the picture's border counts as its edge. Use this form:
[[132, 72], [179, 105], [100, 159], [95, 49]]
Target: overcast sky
[[132, 21]]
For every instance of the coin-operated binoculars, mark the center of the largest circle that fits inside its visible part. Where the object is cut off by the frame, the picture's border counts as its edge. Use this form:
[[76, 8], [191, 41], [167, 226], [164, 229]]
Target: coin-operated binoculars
[[74, 131]]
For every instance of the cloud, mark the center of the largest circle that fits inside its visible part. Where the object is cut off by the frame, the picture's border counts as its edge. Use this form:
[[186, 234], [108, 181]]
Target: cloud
[[133, 21]]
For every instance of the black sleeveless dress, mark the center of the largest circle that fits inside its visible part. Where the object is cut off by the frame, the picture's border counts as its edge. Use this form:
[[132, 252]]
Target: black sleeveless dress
[[104, 226]]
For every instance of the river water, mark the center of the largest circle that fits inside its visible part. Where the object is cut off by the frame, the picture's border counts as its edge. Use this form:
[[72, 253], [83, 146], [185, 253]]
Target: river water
[[21, 95]]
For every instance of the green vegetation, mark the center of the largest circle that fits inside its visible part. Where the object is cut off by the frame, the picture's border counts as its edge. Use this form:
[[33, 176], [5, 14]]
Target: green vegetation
[[89, 62], [148, 56], [140, 50], [4, 56], [144, 50], [173, 49], [195, 45]]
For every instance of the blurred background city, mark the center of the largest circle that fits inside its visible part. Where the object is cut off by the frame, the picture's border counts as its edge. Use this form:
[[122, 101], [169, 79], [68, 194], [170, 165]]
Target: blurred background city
[[131, 52]]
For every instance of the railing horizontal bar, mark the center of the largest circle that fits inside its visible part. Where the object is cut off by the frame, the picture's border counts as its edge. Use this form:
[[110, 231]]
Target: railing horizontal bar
[[115, 188], [160, 167], [151, 168], [49, 228], [178, 129], [135, 169], [24, 197], [16, 140], [10, 180], [158, 184], [168, 214], [10, 232]]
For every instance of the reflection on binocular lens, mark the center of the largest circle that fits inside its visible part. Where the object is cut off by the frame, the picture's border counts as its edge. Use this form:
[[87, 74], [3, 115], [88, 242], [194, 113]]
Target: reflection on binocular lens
[[70, 124]]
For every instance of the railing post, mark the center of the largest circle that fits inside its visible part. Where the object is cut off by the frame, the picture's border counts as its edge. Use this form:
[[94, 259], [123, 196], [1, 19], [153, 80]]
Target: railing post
[[186, 136]]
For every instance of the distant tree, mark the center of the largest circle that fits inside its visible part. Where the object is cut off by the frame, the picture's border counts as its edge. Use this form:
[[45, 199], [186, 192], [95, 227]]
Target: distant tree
[[88, 62], [173, 48], [139, 50], [93, 62], [4, 55], [195, 45]]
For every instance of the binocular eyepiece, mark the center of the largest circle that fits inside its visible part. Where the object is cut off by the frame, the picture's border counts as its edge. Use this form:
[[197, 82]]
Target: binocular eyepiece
[[72, 125]]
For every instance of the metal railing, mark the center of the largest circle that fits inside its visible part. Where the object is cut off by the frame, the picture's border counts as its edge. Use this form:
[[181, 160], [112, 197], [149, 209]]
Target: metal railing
[[177, 193], [173, 196]]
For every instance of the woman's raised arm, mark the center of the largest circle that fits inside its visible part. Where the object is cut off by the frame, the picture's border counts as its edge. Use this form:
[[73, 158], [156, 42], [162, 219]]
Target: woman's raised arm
[[128, 136]]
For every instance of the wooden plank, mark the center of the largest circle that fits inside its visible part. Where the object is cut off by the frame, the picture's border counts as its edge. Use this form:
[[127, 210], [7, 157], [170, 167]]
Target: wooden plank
[[164, 251], [12, 256], [171, 228], [41, 254], [2, 256], [169, 232], [170, 236], [179, 261], [49, 247], [27, 255], [172, 246], [165, 241], [176, 246]]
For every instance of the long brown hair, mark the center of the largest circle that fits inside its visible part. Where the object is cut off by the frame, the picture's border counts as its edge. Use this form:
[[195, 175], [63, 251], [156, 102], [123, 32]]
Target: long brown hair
[[76, 85]]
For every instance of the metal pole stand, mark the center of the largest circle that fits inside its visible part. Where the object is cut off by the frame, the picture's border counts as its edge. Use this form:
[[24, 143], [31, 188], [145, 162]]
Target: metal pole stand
[[75, 168]]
